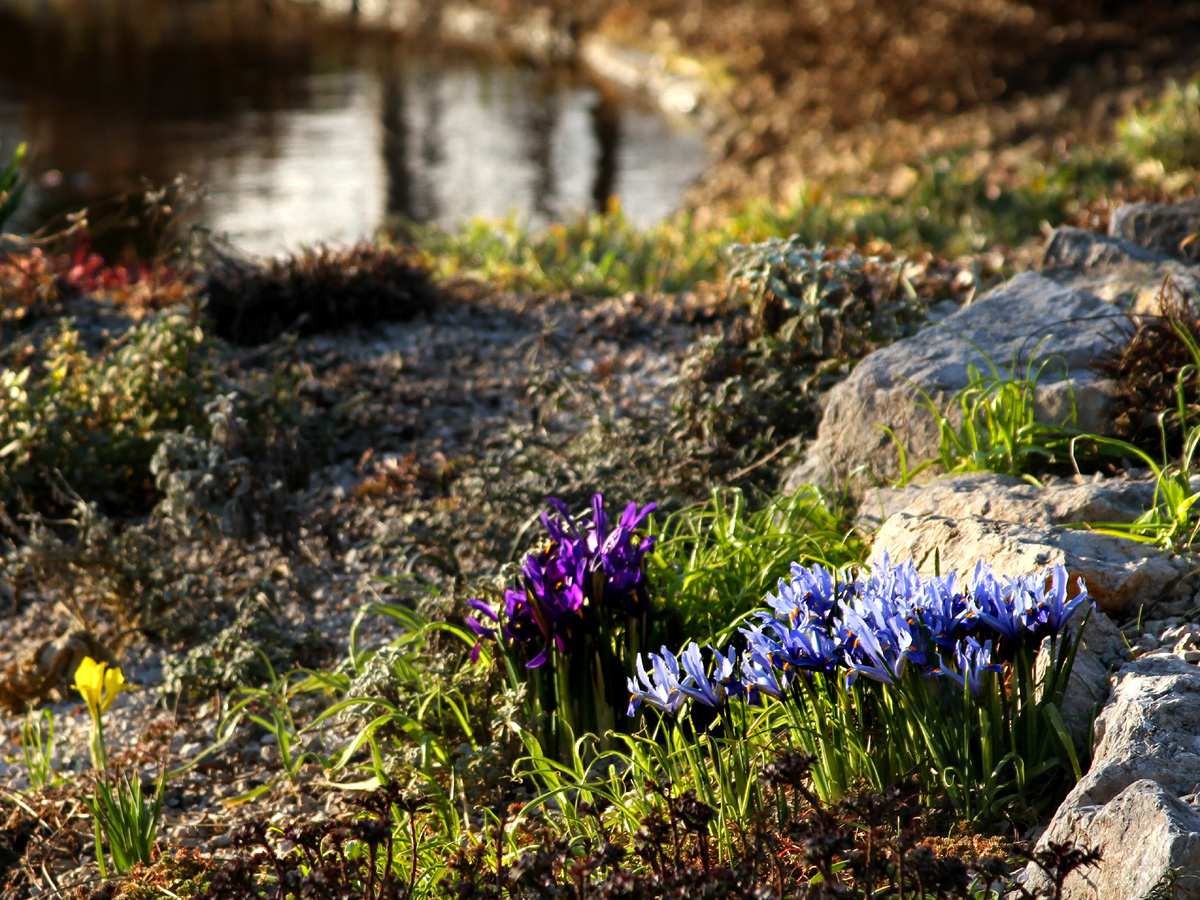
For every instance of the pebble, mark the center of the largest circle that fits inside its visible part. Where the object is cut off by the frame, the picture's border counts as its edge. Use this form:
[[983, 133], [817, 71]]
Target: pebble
[[1176, 631], [1192, 656]]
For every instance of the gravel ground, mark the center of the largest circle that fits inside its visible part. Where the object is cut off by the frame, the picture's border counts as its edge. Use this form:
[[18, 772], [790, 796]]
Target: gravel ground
[[446, 386]]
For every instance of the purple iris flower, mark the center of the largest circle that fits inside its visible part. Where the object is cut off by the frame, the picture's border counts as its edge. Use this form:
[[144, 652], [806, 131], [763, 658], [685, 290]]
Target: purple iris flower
[[481, 630], [584, 571]]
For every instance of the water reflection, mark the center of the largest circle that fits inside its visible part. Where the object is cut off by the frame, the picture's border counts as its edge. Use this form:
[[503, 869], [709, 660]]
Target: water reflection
[[304, 132]]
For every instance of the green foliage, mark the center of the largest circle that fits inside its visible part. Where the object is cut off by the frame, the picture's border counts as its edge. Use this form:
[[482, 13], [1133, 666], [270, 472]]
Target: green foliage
[[12, 186], [37, 748], [390, 697], [715, 561], [92, 421], [127, 819], [597, 253], [244, 652], [271, 708], [1166, 129], [1173, 521], [952, 207], [992, 425]]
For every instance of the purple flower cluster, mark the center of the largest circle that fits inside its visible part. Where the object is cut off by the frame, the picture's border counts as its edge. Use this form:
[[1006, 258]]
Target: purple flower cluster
[[585, 570], [877, 626]]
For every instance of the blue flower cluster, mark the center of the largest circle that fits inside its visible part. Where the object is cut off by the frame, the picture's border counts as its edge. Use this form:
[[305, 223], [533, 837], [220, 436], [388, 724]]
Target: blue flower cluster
[[586, 569], [878, 626]]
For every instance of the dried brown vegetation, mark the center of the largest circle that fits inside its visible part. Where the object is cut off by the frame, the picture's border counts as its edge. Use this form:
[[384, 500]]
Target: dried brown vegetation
[[1158, 384], [252, 303]]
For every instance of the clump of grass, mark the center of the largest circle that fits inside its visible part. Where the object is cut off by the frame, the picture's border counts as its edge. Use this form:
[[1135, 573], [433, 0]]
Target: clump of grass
[[715, 561], [992, 425], [1165, 129], [93, 420], [597, 253], [254, 302]]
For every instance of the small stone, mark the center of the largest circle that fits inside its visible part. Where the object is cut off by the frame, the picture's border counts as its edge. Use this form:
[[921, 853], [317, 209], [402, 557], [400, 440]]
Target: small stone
[[1192, 656], [270, 739], [1175, 632]]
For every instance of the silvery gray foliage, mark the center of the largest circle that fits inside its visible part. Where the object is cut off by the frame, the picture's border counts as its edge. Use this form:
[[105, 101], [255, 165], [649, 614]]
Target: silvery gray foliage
[[232, 482], [814, 280], [205, 482]]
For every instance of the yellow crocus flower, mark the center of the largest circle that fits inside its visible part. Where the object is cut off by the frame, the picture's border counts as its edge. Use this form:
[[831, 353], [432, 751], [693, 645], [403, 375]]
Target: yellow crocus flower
[[99, 683]]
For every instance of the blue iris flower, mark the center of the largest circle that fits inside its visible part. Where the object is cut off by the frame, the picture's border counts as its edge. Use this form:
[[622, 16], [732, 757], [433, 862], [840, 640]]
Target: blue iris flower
[[876, 625], [1052, 609], [759, 677], [711, 691], [662, 690], [971, 660], [808, 597]]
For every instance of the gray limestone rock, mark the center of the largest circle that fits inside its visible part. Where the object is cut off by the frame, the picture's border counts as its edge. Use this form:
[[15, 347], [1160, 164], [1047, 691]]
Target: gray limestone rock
[[1081, 250], [1160, 228], [1028, 318], [1150, 729], [1148, 840], [1147, 756], [1011, 500]]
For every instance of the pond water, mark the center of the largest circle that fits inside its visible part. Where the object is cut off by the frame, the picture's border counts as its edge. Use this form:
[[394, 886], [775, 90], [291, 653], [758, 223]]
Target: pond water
[[302, 131]]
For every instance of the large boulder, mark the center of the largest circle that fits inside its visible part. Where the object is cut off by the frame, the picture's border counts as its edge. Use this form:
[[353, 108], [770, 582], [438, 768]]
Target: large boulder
[[1150, 729], [1146, 757], [1080, 250], [1012, 500], [1124, 274], [1120, 573], [1028, 319], [1149, 845], [1168, 229]]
